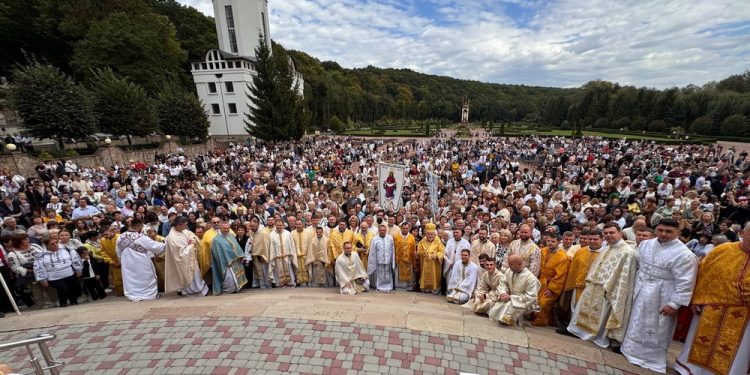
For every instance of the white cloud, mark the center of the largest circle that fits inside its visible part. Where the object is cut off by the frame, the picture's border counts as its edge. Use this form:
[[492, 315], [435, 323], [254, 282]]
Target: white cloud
[[534, 42]]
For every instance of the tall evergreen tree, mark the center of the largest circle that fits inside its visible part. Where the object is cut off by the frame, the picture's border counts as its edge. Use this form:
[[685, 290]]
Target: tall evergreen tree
[[277, 112], [50, 103]]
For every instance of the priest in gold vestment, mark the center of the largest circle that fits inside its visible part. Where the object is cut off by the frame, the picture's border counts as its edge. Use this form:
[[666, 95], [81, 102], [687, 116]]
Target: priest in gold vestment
[[431, 251], [406, 248], [302, 237], [350, 275], [260, 238], [317, 259], [336, 239], [719, 338], [527, 249], [603, 311], [362, 241], [590, 243], [555, 263], [282, 267]]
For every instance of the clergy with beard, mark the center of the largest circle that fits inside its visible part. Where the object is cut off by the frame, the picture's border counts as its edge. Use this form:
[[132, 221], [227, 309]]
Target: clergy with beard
[[382, 260], [527, 249], [135, 250], [336, 238], [259, 252], [555, 264], [182, 273], [406, 248], [719, 338], [317, 259], [463, 279], [226, 262], [517, 295], [603, 311], [667, 270], [431, 252], [283, 263], [350, 275], [486, 293], [482, 245], [302, 237], [591, 246], [453, 248], [362, 240]]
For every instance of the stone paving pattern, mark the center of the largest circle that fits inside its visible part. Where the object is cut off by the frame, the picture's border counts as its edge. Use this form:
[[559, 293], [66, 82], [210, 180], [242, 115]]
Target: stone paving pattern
[[301, 330]]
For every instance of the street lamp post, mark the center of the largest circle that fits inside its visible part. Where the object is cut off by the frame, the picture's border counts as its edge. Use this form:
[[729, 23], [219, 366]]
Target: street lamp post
[[169, 142], [12, 148], [223, 109], [108, 142]]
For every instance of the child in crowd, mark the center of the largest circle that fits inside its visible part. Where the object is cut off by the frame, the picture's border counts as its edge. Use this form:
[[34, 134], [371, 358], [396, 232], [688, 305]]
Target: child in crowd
[[91, 278]]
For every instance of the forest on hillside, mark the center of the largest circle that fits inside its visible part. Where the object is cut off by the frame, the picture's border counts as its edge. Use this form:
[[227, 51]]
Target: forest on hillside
[[152, 42]]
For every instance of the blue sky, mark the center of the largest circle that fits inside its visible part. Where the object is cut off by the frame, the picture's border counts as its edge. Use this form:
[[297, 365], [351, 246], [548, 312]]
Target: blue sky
[[654, 43]]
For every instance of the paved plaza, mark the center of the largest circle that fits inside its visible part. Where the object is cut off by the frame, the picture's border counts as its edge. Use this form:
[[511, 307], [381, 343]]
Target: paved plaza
[[301, 330]]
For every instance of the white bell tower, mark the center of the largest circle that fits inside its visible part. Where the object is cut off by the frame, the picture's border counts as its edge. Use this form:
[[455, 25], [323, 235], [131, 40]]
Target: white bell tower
[[239, 24]]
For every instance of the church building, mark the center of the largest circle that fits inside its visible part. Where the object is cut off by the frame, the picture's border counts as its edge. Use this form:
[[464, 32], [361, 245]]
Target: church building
[[222, 78]]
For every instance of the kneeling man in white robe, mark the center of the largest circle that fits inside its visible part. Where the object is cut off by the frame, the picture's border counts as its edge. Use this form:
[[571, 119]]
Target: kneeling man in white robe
[[486, 293], [350, 273], [382, 260], [518, 294], [463, 279], [182, 273], [135, 251]]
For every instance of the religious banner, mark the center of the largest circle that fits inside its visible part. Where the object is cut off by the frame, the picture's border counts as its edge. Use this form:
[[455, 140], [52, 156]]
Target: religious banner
[[390, 185], [432, 186]]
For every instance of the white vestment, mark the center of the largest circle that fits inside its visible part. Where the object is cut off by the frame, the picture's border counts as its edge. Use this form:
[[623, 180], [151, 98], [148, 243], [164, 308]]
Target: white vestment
[[182, 273], [463, 280], [523, 288], [283, 258], [529, 251], [138, 273], [666, 276], [740, 366], [381, 262], [610, 280], [453, 254], [350, 274]]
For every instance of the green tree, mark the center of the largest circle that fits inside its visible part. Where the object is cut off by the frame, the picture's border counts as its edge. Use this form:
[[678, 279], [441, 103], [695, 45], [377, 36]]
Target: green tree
[[278, 112], [565, 125], [142, 47], [736, 125], [181, 113], [622, 123], [50, 103], [702, 125], [659, 126], [122, 107]]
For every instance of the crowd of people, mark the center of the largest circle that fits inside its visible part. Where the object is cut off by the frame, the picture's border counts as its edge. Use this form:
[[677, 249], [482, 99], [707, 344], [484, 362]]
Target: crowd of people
[[618, 242]]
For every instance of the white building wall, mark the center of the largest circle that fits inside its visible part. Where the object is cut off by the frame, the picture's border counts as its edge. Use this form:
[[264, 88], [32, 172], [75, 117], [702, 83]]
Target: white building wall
[[249, 19], [235, 122]]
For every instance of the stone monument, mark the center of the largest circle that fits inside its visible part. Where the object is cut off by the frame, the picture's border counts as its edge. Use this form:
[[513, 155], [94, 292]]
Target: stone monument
[[465, 112]]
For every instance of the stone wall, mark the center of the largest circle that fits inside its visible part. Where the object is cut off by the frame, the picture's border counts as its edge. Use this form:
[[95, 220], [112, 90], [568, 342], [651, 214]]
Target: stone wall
[[23, 164]]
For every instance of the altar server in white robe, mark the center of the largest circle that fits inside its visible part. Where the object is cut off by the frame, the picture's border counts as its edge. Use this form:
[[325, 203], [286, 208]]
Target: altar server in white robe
[[603, 311], [182, 273], [463, 279], [135, 251], [382, 260], [282, 267], [518, 293], [453, 248], [666, 275]]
